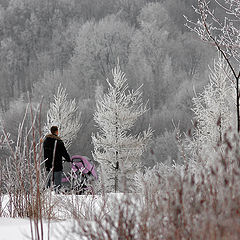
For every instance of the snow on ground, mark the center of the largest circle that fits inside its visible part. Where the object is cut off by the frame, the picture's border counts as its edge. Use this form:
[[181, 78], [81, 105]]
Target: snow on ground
[[13, 228], [19, 229], [87, 206]]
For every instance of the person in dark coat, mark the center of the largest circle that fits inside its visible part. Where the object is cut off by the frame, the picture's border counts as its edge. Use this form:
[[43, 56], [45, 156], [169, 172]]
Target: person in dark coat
[[54, 146]]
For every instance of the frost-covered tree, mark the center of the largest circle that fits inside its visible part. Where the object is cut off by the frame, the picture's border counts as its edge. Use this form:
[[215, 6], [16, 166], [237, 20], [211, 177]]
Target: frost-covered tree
[[97, 47], [115, 148], [149, 50], [220, 27], [214, 109], [64, 113]]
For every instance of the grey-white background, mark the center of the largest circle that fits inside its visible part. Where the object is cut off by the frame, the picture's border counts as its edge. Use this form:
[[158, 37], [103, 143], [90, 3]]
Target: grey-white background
[[78, 42]]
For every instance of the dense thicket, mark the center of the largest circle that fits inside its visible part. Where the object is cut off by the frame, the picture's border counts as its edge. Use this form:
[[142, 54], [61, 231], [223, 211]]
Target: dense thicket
[[77, 43]]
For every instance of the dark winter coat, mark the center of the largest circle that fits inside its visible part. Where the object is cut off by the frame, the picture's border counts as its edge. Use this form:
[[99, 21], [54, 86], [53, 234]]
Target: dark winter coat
[[48, 147]]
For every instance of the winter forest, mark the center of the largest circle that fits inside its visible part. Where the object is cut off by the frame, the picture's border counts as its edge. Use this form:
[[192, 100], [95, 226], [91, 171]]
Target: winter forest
[[147, 92]]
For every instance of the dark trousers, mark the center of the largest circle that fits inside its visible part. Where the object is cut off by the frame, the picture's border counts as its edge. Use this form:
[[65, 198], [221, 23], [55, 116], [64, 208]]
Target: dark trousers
[[54, 180]]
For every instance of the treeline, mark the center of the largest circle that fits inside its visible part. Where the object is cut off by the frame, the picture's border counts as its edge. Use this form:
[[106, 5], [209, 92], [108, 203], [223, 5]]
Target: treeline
[[78, 42]]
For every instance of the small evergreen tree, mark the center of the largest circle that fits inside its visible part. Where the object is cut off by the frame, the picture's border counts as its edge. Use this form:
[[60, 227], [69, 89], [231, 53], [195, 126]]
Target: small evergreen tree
[[214, 110], [115, 148], [64, 114]]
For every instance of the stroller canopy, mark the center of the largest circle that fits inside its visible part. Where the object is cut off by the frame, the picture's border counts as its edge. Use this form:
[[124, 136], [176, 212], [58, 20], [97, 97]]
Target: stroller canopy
[[83, 163]]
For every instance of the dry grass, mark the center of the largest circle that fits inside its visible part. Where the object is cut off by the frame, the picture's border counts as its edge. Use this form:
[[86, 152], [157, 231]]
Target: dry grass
[[187, 203], [22, 179], [200, 200]]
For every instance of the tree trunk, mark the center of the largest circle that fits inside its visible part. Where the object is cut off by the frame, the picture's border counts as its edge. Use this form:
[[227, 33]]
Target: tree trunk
[[238, 113], [116, 155]]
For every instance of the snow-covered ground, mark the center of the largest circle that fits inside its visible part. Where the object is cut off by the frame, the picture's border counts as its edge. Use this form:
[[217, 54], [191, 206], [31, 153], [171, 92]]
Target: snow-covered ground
[[11, 229], [19, 229], [84, 206]]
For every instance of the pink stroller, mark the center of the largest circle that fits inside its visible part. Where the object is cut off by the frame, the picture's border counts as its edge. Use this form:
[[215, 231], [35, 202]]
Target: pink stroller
[[81, 176]]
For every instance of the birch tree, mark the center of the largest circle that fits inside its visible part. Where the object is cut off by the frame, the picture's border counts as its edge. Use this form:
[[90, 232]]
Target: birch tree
[[63, 112], [115, 148]]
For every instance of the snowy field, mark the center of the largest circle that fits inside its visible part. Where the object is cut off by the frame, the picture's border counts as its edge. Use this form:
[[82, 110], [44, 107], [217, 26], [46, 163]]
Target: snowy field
[[59, 228], [19, 229], [12, 229]]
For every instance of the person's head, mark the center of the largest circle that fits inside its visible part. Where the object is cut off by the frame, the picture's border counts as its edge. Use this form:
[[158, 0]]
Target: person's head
[[54, 130]]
